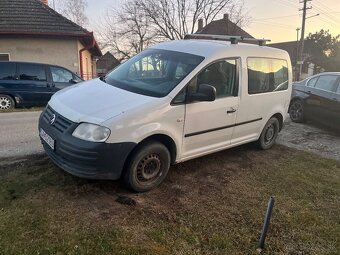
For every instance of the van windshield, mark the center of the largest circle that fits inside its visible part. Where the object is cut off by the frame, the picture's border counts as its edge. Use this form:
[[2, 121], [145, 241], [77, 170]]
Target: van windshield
[[153, 72]]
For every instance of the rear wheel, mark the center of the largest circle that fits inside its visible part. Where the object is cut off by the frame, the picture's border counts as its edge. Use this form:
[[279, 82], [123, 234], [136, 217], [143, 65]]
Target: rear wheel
[[147, 167], [6, 102], [296, 111], [269, 134]]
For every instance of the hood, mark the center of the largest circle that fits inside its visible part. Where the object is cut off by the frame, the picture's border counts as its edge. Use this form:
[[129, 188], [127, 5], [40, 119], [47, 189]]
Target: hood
[[95, 101]]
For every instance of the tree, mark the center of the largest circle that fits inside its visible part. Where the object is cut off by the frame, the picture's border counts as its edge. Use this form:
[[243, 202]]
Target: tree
[[126, 31], [140, 23], [323, 50], [173, 19], [74, 10]]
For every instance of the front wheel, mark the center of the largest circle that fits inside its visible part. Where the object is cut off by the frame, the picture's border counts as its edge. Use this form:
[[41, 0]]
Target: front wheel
[[147, 167], [269, 134], [6, 102]]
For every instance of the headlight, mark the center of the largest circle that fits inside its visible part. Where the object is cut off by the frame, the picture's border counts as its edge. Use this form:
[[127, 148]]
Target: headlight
[[91, 132]]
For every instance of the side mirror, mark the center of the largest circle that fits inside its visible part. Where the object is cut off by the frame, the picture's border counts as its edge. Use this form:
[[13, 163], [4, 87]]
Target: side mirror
[[205, 93], [74, 81]]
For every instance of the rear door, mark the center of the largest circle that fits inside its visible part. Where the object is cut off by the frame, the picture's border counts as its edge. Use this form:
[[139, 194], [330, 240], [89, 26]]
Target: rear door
[[7, 78], [335, 105], [319, 101], [32, 84]]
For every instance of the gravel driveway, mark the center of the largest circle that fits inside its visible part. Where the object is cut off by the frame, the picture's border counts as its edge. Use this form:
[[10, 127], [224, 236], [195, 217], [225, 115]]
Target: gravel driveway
[[309, 137], [19, 137]]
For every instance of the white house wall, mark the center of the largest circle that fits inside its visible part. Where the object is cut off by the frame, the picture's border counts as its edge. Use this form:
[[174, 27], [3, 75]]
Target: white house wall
[[49, 51]]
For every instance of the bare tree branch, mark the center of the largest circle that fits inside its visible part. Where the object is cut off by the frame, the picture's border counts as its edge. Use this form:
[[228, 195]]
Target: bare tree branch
[[73, 10], [140, 23]]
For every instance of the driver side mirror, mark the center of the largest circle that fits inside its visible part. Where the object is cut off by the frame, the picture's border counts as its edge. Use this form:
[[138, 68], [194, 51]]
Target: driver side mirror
[[74, 81], [205, 93]]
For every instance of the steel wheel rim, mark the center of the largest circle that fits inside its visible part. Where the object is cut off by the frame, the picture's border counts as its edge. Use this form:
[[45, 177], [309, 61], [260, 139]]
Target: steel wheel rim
[[149, 168], [296, 111], [269, 134], [5, 103]]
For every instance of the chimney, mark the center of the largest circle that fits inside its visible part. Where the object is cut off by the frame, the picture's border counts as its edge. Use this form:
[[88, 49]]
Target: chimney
[[226, 17], [44, 1], [200, 24]]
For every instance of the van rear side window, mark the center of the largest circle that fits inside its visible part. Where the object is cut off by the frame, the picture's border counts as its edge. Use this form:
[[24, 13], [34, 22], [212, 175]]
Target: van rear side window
[[267, 75], [32, 72], [7, 71]]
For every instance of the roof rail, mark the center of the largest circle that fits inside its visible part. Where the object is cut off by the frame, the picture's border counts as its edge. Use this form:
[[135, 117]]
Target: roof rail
[[231, 38]]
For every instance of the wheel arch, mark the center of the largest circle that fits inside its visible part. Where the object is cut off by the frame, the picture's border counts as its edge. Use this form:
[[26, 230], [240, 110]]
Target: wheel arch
[[166, 140], [279, 117]]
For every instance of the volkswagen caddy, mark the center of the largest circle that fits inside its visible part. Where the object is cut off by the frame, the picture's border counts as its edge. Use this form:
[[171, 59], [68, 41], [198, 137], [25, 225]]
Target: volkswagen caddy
[[175, 101]]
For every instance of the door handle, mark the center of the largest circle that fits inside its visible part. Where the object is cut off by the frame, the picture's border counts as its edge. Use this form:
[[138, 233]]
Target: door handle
[[231, 110]]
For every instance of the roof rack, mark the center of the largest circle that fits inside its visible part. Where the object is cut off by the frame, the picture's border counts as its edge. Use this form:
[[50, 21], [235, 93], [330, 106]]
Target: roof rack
[[230, 38]]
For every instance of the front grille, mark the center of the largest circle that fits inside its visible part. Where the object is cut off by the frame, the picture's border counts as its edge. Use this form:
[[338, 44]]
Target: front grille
[[60, 123]]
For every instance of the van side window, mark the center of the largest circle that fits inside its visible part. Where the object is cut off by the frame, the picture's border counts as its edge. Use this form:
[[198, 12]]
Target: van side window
[[180, 98], [7, 71], [267, 75], [221, 75], [32, 72], [60, 74]]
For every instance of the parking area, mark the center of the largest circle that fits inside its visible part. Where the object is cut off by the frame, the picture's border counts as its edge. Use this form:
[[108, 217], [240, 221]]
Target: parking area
[[311, 137]]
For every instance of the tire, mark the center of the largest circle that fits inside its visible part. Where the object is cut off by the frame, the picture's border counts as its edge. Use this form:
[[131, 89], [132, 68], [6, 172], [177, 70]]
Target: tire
[[269, 134], [6, 102], [147, 167], [296, 111]]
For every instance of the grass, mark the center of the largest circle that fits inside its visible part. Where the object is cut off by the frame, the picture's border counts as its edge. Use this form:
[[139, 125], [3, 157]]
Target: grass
[[210, 205]]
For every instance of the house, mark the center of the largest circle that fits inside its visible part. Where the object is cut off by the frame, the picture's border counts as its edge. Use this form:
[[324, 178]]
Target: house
[[106, 63], [31, 31], [222, 27], [292, 49]]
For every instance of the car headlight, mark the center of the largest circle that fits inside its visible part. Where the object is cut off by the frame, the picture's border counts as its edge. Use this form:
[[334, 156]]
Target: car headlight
[[91, 132]]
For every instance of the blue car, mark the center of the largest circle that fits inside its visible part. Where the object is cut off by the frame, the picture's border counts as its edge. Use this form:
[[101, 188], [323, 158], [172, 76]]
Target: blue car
[[25, 84]]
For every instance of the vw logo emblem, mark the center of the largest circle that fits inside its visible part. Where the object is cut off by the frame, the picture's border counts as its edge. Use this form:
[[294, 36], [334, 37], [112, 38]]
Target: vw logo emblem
[[52, 120]]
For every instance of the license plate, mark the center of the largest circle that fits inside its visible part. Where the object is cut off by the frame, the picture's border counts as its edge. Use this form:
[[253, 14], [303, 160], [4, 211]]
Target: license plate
[[49, 140]]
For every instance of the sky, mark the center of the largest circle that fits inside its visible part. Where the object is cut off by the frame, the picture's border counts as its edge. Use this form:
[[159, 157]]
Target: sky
[[271, 19]]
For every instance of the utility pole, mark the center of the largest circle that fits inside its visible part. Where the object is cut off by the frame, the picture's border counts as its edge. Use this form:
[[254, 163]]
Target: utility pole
[[302, 39], [297, 70]]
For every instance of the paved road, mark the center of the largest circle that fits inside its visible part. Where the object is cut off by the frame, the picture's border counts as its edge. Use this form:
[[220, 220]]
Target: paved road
[[19, 137], [19, 134]]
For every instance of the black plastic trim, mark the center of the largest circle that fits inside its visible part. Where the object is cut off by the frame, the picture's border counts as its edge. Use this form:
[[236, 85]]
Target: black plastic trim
[[220, 128], [83, 158]]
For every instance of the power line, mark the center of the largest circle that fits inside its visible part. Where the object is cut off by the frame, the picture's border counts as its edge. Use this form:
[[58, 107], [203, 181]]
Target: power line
[[274, 24], [286, 3], [279, 17], [332, 19]]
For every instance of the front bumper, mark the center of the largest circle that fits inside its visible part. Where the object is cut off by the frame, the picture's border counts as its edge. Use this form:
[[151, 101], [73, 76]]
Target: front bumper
[[82, 158]]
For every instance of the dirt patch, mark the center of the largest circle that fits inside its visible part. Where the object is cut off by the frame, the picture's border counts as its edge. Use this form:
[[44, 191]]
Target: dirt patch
[[210, 205]]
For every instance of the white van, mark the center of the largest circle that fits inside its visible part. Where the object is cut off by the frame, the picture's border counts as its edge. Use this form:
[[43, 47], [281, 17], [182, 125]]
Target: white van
[[175, 101]]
